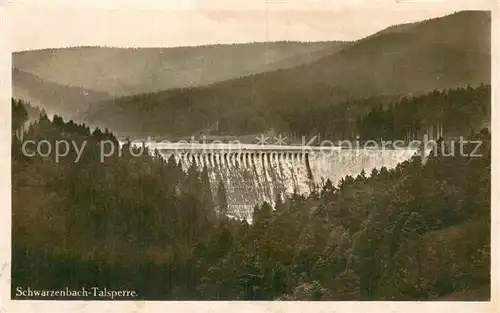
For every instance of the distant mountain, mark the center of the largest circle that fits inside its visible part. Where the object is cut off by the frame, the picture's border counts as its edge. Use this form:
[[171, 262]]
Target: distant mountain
[[440, 53], [67, 101], [128, 71]]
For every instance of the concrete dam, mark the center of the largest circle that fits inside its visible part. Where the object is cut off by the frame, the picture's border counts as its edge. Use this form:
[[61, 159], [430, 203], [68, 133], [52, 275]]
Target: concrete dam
[[252, 174]]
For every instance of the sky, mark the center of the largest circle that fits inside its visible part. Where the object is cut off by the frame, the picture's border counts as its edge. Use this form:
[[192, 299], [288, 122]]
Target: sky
[[61, 23]]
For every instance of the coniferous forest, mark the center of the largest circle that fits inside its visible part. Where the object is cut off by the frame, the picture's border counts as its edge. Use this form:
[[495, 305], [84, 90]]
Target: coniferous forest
[[420, 231]]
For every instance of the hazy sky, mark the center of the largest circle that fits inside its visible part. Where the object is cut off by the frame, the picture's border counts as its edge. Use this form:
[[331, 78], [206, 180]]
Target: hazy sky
[[172, 23]]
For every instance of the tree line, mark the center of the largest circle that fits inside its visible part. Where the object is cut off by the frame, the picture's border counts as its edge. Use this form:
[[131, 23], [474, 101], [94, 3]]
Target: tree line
[[460, 111]]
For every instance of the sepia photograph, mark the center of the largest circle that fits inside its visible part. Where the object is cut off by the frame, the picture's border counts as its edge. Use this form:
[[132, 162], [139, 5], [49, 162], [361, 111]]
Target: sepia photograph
[[251, 155]]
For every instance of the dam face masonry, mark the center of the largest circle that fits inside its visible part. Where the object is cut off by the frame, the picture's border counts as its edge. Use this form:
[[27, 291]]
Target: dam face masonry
[[252, 174]]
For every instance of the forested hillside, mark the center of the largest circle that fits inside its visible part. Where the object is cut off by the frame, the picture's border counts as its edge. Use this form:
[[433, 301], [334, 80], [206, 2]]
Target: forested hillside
[[415, 232], [460, 111], [153, 69], [54, 98], [448, 52]]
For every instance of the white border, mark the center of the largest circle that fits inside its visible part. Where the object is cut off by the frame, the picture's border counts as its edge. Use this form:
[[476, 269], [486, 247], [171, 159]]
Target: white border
[[6, 305]]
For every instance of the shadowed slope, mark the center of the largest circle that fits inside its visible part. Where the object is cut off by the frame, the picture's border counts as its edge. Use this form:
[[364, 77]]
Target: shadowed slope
[[54, 98], [440, 53]]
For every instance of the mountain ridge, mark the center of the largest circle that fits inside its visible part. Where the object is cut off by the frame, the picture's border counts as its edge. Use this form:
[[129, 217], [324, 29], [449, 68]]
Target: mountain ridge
[[156, 69], [411, 58]]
